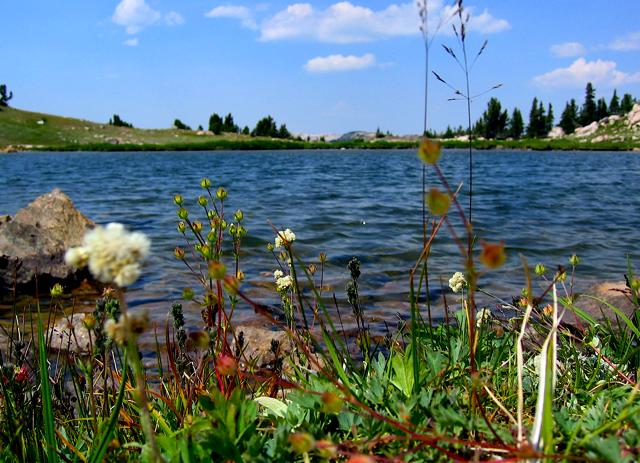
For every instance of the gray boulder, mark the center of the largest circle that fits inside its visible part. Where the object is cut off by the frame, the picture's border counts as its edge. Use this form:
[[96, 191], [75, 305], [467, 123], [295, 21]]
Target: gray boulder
[[33, 244]]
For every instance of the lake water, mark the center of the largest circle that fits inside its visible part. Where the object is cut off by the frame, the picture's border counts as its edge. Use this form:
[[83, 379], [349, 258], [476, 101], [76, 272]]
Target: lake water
[[544, 205]]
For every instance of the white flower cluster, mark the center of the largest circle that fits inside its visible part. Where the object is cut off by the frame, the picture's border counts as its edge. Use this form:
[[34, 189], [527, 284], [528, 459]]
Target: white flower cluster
[[283, 282], [113, 254], [284, 237], [128, 325], [483, 316], [457, 282]]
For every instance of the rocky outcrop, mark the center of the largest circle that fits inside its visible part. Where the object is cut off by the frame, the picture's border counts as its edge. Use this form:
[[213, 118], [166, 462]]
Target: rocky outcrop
[[633, 118], [556, 132], [615, 293], [33, 244]]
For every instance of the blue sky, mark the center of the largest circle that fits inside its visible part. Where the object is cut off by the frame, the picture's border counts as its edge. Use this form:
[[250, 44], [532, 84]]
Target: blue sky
[[320, 67]]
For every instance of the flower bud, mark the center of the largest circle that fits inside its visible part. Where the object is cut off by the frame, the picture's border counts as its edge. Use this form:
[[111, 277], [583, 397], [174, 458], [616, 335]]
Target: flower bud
[[241, 232], [223, 224], [635, 284], [89, 321], [211, 214], [211, 236], [183, 213], [57, 290], [187, 294], [561, 275], [540, 269], [238, 216], [179, 253], [178, 200], [202, 200], [270, 247], [323, 257], [574, 260], [205, 250], [205, 183], [182, 227], [240, 275], [221, 194], [232, 229], [217, 270], [331, 402], [312, 269], [197, 226]]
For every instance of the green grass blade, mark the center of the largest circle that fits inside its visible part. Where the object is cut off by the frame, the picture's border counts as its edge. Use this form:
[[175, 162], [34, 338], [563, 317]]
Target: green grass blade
[[99, 451], [619, 313], [45, 390]]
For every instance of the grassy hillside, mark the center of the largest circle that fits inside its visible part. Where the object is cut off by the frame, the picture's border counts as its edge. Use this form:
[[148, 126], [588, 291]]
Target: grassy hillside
[[25, 130], [28, 129]]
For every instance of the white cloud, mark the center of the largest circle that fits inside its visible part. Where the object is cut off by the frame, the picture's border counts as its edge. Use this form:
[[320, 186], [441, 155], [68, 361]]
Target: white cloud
[[580, 72], [345, 22], [173, 18], [339, 63], [629, 42], [242, 13], [131, 42], [135, 15], [567, 49]]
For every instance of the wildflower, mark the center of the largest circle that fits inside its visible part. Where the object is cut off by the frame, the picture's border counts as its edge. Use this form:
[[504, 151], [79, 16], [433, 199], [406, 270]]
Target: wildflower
[[493, 255], [429, 151], [312, 269], [327, 449], [438, 202], [187, 294], [178, 200], [179, 253], [283, 284], [129, 325], [202, 200], [205, 183], [331, 402], [89, 321], [354, 268], [217, 270], [197, 226], [270, 247], [360, 459], [57, 290], [226, 365], [182, 213], [547, 310], [457, 282], [574, 260], [181, 227], [22, 374], [113, 254], [240, 275], [277, 275], [302, 442], [540, 269], [483, 316], [238, 216], [284, 238]]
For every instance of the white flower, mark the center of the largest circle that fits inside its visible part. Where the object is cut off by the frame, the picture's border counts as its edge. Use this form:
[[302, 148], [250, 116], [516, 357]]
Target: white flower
[[483, 316], [284, 283], [277, 275], [284, 237], [76, 257], [113, 254], [457, 282]]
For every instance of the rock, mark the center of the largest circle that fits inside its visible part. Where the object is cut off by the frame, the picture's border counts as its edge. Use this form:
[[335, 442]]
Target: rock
[[9, 149], [33, 244], [615, 293], [586, 130], [70, 335], [257, 344], [556, 132], [633, 118]]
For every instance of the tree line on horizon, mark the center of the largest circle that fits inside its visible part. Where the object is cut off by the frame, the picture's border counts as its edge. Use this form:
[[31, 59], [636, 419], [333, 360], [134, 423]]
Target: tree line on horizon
[[496, 123]]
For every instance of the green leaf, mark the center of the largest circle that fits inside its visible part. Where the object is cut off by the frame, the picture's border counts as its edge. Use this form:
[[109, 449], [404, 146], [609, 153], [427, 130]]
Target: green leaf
[[45, 389], [275, 406], [403, 374]]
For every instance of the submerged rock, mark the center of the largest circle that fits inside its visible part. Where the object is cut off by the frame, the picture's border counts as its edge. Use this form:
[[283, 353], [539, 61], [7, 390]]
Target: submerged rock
[[33, 244], [615, 293]]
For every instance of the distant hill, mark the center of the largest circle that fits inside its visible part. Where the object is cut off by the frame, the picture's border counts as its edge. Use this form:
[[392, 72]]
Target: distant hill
[[29, 130]]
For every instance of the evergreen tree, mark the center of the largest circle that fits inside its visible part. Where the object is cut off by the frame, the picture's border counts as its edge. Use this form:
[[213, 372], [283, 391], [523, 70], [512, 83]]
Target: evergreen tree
[[493, 123], [614, 104], [116, 121], [532, 128], [549, 120], [601, 109], [4, 97], [200, 127], [178, 124], [627, 103], [379, 133], [588, 111], [266, 127], [448, 133], [569, 117], [229, 125], [215, 124], [246, 130], [283, 132], [516, 126]]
